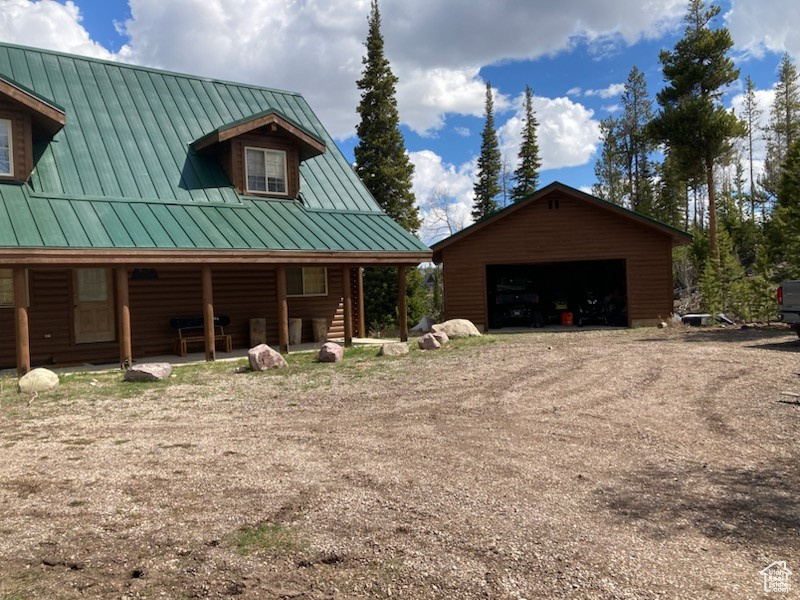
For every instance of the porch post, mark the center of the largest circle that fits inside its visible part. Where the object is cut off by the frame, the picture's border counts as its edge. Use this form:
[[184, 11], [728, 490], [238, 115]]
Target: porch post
[[347, 301], [362, 329], [21, 322], [283, 312], [208, 314], [402, 309], [124, 319]]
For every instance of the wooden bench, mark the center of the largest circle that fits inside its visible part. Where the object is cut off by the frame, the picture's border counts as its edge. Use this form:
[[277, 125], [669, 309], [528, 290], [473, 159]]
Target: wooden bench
[[196, 335]]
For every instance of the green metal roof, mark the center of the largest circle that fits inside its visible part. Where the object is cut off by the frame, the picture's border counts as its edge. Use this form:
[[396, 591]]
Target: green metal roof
[[263, 113], [122, 174]]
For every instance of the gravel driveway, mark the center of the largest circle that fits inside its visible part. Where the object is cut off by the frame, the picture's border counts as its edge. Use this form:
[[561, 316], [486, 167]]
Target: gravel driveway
[[610, 464]]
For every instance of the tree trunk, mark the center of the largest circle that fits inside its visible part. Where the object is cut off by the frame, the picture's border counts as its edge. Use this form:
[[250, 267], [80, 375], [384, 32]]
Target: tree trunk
[[712, 210]]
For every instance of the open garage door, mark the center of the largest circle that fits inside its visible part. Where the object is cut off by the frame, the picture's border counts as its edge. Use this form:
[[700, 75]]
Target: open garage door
[[593, 291]]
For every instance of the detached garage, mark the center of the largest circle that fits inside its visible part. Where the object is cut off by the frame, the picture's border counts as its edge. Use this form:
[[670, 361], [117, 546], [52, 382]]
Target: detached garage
[[559, 252]]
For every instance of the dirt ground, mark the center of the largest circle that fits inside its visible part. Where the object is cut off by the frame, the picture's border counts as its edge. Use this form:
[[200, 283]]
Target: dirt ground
[[614, 464]]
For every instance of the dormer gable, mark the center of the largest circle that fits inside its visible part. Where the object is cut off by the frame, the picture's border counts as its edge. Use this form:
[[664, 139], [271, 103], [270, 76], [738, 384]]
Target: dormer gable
[[25, 116], [262, 153]]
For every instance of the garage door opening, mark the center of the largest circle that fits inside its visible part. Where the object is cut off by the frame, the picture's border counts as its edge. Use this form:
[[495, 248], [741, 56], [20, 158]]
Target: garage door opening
[[592, 291]]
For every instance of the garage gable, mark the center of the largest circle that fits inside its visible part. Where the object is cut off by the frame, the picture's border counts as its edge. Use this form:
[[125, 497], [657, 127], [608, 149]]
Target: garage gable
[[551, 196]]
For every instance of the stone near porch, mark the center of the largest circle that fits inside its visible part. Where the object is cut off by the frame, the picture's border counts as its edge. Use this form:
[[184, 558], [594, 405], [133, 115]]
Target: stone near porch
[[428, 342], [148, 372], [440, 336], [38, 380], [455, 328], [393, 349], [331, 353], [263, 358]]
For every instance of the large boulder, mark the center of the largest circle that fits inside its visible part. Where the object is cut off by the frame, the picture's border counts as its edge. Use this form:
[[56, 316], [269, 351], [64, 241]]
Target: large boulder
[[428, 342], [393, 349], [38, 380], [456, 328], [263, 358], [148, 372], [441, 337], [331, 353]]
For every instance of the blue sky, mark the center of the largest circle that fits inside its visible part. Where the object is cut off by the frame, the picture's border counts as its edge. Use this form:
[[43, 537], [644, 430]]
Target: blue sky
[[571, 53]]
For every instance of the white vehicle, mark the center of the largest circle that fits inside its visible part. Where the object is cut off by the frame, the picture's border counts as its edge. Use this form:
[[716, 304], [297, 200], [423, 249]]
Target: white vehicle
[[789, 303]]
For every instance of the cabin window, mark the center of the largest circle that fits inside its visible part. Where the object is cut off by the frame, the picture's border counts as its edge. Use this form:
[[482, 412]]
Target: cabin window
[[265, 170], [7, 288], [307, 281], [6, 149]]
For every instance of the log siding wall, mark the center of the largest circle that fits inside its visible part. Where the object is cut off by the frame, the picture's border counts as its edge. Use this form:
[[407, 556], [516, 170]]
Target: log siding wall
[[241, 294], [575, 231]]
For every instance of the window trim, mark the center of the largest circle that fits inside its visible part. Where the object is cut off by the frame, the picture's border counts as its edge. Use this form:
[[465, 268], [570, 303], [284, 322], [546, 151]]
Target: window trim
[[303, 279], [264, 152], [10, 148], [27, 289]]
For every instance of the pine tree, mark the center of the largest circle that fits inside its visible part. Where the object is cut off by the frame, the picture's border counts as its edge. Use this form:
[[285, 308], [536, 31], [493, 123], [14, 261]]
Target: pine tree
[[692, 121], [670, 202], [751, 115], [384, 167], [635, 146], [608, 169], [381, 158], [784, 124], [526, 177], [487, 187], [786, 241]]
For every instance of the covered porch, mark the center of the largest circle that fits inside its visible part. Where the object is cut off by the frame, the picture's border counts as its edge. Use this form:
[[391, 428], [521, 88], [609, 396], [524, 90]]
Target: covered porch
[[87, 312]]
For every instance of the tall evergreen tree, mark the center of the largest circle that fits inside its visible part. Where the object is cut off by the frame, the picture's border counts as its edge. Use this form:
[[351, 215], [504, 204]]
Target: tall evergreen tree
[[692, 121], [635, 145], [786, 240], [526, 177], [784, 123], [751, 115], [381, 158], [670, 202], [487, 187], [608, 168], [384, 167]]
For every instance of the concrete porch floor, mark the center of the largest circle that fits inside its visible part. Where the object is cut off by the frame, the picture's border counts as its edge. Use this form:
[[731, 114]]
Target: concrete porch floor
[[195, 357]]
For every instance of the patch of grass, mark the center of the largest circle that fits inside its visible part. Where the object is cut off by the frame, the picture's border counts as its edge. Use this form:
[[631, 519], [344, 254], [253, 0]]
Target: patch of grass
[[76, 503], [272, 538], [120, 442]]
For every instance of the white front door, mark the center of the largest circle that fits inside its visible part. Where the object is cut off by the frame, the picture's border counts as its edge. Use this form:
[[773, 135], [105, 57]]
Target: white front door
[[93, 306]]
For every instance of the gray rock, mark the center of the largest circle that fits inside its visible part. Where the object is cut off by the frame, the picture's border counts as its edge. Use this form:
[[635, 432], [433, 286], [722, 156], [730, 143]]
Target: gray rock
[[441, 337], [38, 380], [393, 349], [331, 353], [148, 372], [424, 326], [428, 342], [262, 358], [455, 328], [663, 325]]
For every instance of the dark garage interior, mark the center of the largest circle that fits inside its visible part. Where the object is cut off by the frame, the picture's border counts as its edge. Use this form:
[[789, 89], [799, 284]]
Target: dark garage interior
[[592, 292]]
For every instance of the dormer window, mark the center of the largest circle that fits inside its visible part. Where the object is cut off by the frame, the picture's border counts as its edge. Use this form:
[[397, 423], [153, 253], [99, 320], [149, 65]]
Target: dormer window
[[266, 171], [6, 149]]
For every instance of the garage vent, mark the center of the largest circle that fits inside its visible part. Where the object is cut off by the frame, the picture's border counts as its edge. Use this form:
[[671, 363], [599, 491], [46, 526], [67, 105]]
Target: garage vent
[[552, 203]]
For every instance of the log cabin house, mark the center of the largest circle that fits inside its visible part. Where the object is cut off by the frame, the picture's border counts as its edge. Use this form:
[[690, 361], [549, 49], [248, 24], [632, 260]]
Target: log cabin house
[[130, 197], [554, 248]]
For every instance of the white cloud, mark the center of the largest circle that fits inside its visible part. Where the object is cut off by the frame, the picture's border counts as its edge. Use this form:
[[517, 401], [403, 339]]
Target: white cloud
[[612, 108], [316, 46], [47, 24], [444, 194], [567, 133], [766, 25], [613, 90], [574, 91], [462, 131]]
